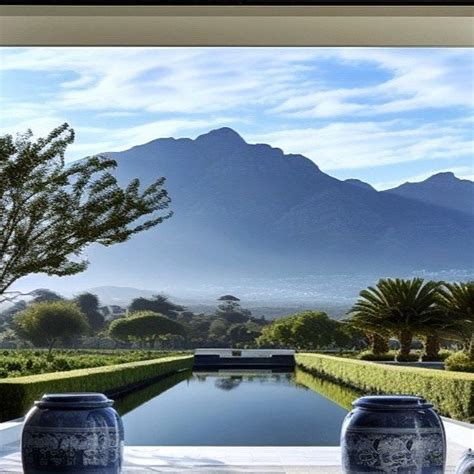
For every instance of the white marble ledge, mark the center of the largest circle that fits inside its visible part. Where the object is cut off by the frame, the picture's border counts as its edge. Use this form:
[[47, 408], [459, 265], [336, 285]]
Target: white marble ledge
[[225, 460]]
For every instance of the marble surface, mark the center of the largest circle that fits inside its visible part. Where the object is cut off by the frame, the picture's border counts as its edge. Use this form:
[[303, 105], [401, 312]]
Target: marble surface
[[225, 460]]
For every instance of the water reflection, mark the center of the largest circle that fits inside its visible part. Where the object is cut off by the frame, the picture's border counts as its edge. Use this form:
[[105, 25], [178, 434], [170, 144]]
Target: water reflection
[[340, 394], [133, 400], [237, 408]]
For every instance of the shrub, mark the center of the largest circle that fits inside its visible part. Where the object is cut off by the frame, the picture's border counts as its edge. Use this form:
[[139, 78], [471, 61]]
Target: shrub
[[369, 355], [460, 362], [451, 393], [443, 354], [18, 394], [411, 357]]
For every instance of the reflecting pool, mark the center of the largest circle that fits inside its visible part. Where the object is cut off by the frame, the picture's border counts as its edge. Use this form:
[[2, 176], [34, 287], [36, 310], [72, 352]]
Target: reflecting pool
[[236, 409]]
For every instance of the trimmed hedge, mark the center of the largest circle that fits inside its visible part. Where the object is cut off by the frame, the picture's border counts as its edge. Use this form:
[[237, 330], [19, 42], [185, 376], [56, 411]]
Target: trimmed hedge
[[18, 394], [452, 393]]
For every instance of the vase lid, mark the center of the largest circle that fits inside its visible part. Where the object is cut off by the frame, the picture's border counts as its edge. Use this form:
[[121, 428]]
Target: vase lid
[[391, 402], [74, 401]]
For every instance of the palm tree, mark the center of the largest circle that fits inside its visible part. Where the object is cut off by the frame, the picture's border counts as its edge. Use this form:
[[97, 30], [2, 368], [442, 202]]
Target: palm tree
[[376, 336], [456, 300], [398, 307]]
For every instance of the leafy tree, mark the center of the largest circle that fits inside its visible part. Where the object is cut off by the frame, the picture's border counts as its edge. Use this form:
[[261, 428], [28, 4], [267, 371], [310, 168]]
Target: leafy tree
[[157, 304], [231, 311], [119, 330], [240, 335], [146, 327], [399, 307], [89, 305], [456, 301], [309, 330], [49, 212], [229, 298], [43, 294], [312, 330], [218, 328], [45, 323]]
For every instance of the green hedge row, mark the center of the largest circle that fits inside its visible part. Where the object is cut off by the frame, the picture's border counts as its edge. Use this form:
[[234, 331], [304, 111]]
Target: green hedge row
[[452, 393], [18, 394]]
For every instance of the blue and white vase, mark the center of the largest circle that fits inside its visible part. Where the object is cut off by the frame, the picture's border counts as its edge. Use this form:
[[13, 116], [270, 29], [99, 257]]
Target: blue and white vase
[[77, 433], [393, 434]]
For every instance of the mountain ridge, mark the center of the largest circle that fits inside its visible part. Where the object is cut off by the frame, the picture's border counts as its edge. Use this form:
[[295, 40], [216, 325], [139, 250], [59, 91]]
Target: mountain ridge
[[250, 209]]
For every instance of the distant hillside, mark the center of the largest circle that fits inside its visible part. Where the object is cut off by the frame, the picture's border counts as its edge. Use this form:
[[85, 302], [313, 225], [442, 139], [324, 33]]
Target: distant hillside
[[442, 189], [252, 210], [360, 184]]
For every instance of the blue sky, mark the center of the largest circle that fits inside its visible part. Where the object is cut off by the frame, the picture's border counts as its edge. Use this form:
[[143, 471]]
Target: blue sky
[[383, 115]]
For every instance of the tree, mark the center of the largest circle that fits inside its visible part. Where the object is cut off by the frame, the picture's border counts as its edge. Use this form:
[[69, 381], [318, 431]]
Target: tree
[[309, 330], [218, 328], [243, 334], [146, 327], [43, 294], [49, 212], [45, 323], [231, 311], [399, 307], [456, 301], [89, 305], [157, 304]]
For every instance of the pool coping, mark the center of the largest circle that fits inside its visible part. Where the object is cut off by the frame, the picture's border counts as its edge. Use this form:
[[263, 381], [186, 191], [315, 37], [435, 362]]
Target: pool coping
[[225, 459], [231, 459]]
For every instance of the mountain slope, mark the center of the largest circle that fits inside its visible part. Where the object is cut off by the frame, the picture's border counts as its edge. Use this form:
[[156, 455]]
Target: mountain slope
[[242, 209], [442, 189]]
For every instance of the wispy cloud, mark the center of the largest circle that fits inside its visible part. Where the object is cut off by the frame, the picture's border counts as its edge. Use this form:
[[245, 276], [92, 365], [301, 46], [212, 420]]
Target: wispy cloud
[[345, 108], [351, 145]]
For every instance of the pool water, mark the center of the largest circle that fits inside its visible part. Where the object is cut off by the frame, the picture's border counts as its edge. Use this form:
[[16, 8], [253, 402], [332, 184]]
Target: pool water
[[233, 409]]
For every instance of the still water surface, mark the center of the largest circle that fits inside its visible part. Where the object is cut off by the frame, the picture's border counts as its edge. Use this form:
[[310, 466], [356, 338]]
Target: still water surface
[[235, 409]]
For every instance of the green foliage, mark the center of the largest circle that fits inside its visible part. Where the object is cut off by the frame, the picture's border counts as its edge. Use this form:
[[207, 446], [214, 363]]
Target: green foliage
[[336, 392], [42, 295], [21, 362], [146, 327], [18, 394], [157, 304], [452, 393], [231, 311], [369, 355], [243, 334], [459, 361], [218, 328], [45, 323], [89, 305], [309, 330], [456, 300], [411, 357], [49, 212], [397, 307]]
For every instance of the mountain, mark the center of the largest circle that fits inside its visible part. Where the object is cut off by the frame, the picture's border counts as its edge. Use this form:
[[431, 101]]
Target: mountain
[[442, 189], [250, 210], [361, 184]]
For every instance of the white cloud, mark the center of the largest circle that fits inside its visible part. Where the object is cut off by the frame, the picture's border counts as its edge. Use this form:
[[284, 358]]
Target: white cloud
[[419, 79], [200, 80], [192, 90], [120, 139], [350, 145]]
